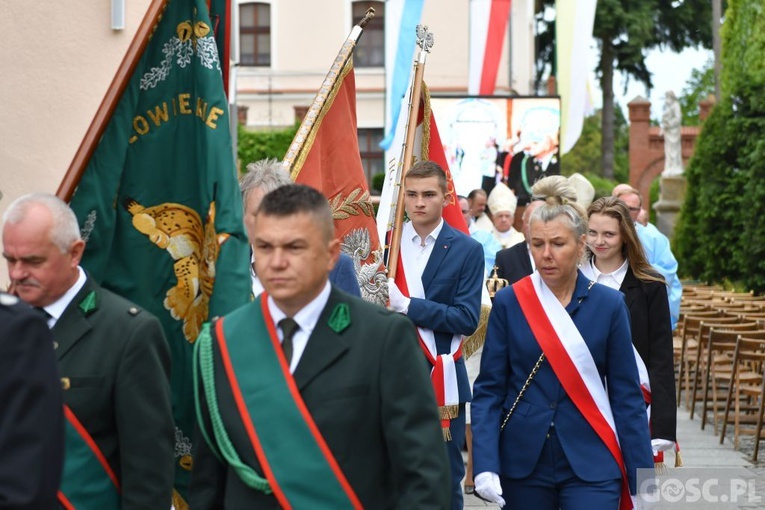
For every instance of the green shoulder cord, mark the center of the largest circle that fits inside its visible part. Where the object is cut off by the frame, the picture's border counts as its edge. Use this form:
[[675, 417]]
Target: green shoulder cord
[[203, 366], [523, 174]]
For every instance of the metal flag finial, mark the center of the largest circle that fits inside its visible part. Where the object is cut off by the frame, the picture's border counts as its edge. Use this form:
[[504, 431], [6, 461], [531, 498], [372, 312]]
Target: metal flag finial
[[367, 17], [424, 38]]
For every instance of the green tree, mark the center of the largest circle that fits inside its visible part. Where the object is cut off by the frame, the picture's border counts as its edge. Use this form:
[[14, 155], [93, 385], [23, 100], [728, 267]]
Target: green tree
[[585, 156], [720, 234], [625, 30], [257, 145], [700, 85]]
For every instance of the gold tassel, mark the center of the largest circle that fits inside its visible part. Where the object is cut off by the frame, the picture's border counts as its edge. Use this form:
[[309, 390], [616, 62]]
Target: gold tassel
[[660, 468], [476, 340], [446, 414], [678, 459]]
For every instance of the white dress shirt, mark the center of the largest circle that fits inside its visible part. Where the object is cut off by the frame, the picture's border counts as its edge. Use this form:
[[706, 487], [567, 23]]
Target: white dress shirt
[[306, 319], [56, 309], [613, 279], [424, 247]]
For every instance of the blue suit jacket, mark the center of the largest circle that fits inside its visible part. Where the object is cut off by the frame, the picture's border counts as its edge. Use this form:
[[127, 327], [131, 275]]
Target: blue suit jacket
[[509, 354], [343, 276], [452, 282]]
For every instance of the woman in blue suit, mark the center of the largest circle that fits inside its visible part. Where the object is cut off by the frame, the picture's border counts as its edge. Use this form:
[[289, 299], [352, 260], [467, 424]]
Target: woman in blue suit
[[563, 441]]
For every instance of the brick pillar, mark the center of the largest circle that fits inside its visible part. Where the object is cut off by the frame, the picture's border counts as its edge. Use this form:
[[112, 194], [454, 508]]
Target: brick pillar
[[640, 120]]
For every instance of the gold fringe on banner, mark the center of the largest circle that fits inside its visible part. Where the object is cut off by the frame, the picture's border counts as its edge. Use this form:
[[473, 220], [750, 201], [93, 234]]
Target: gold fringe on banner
[[475, 341], [425, 139]]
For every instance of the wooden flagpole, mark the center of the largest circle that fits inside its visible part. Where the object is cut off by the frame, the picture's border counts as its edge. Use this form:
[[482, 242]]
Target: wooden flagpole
[[425, 42], [111, 99], [296, 154]]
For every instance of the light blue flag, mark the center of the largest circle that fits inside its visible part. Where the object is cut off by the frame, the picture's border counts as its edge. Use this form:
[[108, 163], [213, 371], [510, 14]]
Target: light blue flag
[[401, 20]]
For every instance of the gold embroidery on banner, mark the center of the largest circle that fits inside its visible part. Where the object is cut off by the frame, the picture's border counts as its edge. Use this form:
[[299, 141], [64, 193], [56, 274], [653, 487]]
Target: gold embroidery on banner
[[178, 502], [178, 230], [425, 139], [342, 209]]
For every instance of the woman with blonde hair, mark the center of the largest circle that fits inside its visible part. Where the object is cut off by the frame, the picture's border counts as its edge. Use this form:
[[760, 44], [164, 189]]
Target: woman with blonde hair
[[546, 434], [615, 258]]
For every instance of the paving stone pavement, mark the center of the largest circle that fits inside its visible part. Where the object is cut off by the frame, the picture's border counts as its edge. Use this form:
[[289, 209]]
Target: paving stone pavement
[[734, 481]]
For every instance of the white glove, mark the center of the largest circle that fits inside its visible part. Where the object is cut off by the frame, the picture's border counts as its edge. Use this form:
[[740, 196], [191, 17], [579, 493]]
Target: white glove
[[661, 445], [488, 487], [398, 302], [642, 501]]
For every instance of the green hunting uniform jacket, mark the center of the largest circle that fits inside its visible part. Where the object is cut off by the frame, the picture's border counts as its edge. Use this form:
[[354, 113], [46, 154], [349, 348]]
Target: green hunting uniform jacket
[[114, 364], [367, 388]]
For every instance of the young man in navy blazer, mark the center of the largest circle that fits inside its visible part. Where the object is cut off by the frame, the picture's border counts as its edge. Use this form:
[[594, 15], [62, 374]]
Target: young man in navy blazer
[[450, 266]]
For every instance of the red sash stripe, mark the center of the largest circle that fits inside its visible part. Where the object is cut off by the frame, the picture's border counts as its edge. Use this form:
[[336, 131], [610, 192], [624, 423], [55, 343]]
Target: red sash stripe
[[69, 415], [65, 503], [244, 414], [495, 34], [569, 376]]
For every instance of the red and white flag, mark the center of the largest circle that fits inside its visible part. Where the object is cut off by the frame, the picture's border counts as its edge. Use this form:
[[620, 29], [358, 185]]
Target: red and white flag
[[325, 156], [488, 31]]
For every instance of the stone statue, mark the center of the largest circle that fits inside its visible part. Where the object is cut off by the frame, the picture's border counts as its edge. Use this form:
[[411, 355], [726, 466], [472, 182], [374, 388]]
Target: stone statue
[[671, 120]]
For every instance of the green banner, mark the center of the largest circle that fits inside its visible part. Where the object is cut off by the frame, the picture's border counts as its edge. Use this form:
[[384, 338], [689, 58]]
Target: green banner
[[159, 203]]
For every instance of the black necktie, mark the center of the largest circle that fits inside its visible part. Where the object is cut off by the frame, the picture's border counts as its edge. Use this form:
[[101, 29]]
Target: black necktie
[[44, 313], [289, 327]]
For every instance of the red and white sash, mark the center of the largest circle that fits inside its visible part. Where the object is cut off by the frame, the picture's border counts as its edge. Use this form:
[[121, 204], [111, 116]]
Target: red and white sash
[[572, 362], [444, 373]]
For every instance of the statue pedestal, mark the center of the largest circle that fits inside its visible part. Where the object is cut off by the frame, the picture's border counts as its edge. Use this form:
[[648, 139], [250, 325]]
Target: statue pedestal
[[671, 197]]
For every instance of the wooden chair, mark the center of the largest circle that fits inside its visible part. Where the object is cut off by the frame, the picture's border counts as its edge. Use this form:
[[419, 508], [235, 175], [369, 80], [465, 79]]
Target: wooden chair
[[698, 298], [750, 315], [745, 296], [684, 344], [704, 357], [693, 307], [688, 346], [745, 393], [700, 288], [717, 367]]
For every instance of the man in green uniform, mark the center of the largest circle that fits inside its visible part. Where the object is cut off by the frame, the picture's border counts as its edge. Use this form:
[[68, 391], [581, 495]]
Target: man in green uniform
[[113, 361]]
